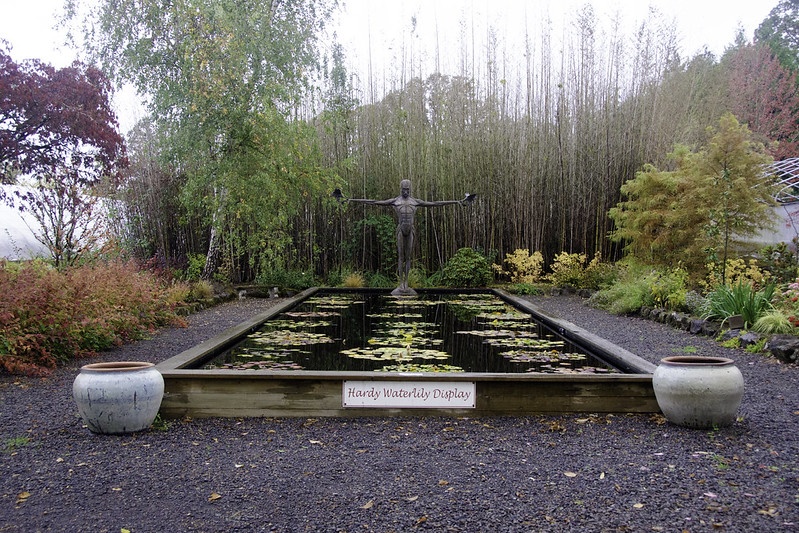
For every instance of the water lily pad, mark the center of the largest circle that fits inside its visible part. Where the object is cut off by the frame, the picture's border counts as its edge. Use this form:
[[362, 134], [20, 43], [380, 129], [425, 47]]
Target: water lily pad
[[499, 333], [528, 342], [411, 367], [284, 337], [263, 365], [551, 356], [394, 353], [312, 314]]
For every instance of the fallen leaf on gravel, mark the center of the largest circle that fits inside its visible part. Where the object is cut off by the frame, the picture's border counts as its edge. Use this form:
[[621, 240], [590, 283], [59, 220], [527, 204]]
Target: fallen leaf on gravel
[[412, 499], [316, 442], [711, 495], [123, 530], [237, 465], [422, 520], [602, 475], [443, 482], [368, 505], [638, 506], [570, 474], [22, 497], [214, 496], [116, 489], [771, 511], [582, 420], [59, 460]]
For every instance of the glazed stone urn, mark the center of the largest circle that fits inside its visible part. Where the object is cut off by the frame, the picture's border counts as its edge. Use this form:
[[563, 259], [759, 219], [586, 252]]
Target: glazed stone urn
[[118, 397], [698, 392]]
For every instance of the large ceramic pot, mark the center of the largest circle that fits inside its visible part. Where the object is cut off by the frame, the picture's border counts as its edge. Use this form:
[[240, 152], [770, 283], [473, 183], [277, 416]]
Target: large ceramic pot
[[698, 392], [119, 397]]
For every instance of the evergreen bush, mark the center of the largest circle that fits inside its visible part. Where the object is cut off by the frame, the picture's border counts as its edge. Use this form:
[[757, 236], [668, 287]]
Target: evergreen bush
[[467, 268]]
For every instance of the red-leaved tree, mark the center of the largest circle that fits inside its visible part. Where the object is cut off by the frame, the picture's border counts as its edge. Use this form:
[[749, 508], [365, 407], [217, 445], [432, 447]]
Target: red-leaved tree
[[51, 117], [763, 94], [59, 132]]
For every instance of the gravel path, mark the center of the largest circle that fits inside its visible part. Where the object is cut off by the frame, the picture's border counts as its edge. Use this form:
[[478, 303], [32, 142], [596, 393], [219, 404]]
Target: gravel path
[[539, 473]]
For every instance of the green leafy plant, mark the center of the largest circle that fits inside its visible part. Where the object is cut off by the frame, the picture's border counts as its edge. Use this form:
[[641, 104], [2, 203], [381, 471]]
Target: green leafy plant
[[758, 347], [780, 261], [286, 279], [467, 268], [379, 280], [598, 274], [741, 299], [160, 424], [524, 289], [773, 322], [628, 293], [686, 349], [668, 287], [15, 443]]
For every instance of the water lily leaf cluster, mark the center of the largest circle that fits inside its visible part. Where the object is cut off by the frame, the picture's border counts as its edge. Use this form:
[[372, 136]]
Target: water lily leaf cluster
[[394, 353], [266, 364], [284, 337], [413, 367]]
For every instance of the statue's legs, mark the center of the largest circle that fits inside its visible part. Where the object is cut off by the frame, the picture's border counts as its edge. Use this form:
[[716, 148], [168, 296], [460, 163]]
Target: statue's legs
[[404, 247]]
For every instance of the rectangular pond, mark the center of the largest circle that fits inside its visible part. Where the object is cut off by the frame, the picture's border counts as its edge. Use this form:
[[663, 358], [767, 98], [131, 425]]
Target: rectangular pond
[[331, 352]]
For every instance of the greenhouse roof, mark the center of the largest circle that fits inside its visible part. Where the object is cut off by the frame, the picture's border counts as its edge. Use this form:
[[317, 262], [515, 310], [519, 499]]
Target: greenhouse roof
[[786, 173]]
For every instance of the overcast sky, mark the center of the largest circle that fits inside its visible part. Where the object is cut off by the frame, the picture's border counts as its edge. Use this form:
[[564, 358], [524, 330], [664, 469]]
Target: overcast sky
[[381, 27]]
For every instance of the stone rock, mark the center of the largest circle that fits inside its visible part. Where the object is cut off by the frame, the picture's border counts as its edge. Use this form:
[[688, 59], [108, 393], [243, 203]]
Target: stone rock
[[681, 320], [749, 338], [784, 347], [696, 325], [730, 334], [711, 329]]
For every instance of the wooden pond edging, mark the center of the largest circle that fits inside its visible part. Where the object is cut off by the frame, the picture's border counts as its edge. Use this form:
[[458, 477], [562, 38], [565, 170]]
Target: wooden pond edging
[[299, 393]]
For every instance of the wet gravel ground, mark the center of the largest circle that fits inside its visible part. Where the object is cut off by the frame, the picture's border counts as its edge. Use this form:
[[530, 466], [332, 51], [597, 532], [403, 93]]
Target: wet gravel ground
[[585, 472]]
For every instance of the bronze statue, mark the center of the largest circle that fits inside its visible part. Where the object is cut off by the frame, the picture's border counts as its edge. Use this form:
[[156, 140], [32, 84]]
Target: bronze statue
[[405, 206]]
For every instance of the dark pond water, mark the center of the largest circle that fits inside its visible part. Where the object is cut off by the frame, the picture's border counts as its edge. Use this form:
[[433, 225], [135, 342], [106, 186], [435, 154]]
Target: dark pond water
[[430, 333]]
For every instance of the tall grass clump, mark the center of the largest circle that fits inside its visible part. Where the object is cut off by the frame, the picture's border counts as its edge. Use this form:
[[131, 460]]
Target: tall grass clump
[[739, 299], [50, 316], [630, 291]]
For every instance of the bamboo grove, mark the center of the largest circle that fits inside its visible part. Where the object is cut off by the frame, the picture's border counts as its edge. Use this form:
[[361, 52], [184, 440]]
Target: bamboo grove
[[545, 131]]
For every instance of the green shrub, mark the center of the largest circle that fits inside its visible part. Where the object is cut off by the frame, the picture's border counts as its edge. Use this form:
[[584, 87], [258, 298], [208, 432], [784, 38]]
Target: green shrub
[[773, 322], [286, 279], [740, 299], [598, 275], [628, 293], [467, 268], [695, 303], [378, 280], [524, 288], [668, 288], [780, 262]]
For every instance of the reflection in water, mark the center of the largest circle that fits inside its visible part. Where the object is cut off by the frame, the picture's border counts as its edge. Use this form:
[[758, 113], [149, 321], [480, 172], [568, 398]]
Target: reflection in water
[[429, 333]]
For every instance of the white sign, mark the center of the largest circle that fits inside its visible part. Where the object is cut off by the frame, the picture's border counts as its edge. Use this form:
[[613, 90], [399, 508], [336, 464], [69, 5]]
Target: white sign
[[405, 394]]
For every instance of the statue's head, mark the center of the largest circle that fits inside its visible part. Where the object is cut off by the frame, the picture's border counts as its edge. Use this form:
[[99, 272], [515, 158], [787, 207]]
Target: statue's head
[[405, 188]]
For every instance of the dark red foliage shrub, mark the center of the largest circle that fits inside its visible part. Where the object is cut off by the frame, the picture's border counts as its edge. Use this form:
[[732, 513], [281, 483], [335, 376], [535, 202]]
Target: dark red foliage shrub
[[48, 316]]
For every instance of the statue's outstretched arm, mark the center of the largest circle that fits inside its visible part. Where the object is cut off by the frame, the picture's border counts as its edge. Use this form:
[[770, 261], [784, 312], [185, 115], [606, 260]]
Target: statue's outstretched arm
[[390, 201], [467, 200]]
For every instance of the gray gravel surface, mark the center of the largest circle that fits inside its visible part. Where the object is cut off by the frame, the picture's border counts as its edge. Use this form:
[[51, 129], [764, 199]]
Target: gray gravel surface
[[586, 472]]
